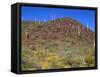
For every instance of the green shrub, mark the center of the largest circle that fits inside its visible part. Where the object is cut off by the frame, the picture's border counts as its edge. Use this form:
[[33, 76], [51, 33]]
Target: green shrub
[[90, 60]]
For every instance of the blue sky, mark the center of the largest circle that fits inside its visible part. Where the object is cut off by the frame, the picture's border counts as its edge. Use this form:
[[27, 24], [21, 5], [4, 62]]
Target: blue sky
[[86, 17]]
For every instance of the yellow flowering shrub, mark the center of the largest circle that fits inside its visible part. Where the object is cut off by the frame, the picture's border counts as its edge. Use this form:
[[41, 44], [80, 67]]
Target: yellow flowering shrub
[[44, 65], [46, 59]]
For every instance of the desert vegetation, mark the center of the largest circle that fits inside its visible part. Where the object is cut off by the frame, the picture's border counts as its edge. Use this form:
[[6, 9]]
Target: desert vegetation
[[59, 43]]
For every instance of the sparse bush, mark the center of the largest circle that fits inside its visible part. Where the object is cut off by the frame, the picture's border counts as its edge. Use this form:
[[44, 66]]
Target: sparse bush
[[90, 60], [76, 61]]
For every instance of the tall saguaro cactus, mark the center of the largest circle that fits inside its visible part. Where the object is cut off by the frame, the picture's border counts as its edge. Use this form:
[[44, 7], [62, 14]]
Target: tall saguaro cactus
[[79, 31]]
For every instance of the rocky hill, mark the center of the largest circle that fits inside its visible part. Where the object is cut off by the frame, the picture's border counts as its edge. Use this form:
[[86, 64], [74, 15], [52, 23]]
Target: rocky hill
[[66, 37]]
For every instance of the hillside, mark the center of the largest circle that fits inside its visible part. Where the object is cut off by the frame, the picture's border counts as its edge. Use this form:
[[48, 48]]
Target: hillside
[[59, 43]]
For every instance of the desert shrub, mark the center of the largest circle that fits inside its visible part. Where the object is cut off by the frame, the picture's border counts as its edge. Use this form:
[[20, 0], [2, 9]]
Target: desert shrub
[[42, 59], [76, 61], [26, 61], [51, 46], [48, 59], [55, 61], [90, 60], [67, 60], [72, 61]]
